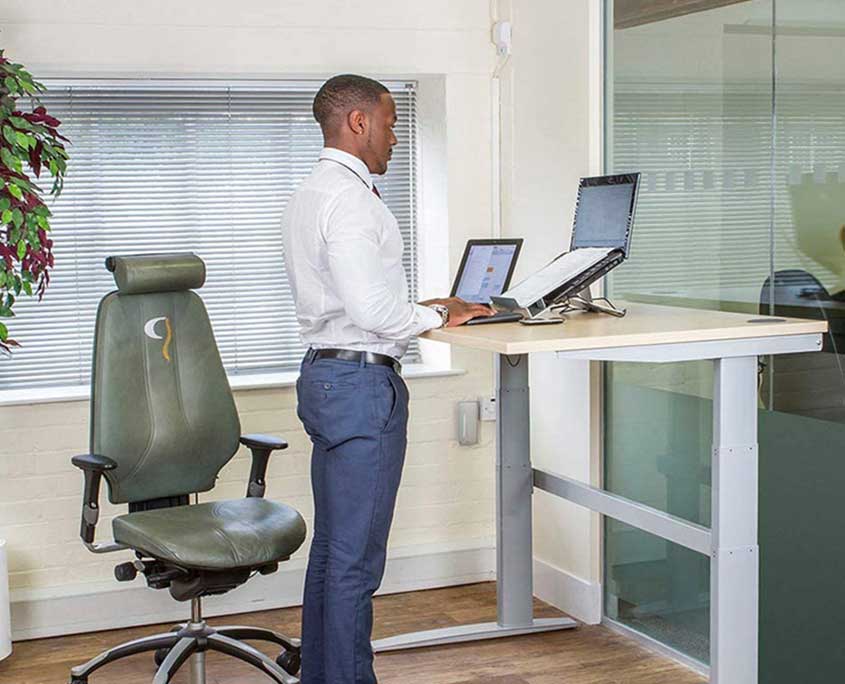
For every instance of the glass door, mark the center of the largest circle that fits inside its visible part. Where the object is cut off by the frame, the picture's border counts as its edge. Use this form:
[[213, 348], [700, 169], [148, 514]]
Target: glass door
[[689, 105], [734, 112], [802, 429]]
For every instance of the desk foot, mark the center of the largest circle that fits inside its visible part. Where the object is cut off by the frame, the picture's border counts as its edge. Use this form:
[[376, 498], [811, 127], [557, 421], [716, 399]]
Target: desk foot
[[477, 632]]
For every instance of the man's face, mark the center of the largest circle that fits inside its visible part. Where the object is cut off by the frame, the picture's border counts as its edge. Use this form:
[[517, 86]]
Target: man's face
[[378, 147]]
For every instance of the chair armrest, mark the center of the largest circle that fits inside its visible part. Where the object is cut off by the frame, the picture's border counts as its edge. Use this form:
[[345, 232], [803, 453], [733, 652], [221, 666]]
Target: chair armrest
[[263, 442], [93, 465], [93, 462], [261, 447]]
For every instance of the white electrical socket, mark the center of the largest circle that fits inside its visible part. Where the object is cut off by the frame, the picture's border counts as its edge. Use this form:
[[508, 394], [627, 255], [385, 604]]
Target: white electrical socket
[[487, 407]]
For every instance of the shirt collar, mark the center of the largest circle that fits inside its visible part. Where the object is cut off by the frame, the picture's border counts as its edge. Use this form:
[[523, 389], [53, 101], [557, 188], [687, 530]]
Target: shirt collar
[[350, 161]]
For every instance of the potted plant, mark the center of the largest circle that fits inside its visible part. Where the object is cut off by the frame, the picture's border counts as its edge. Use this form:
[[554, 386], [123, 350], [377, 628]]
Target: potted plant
[[29, 143]]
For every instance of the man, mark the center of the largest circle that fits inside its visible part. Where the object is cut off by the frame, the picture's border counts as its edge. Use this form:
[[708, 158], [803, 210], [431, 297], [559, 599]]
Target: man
[[343, 252]]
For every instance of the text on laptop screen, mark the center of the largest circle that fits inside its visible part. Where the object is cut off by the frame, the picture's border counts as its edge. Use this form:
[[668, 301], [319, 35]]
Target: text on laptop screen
[[602, 216], [485, 272]]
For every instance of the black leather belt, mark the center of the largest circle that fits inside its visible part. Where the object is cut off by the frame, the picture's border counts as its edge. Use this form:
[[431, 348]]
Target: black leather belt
[[356, 356]]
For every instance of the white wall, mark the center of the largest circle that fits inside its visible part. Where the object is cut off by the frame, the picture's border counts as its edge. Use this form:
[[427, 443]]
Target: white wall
[[444, 519], [550, 138]]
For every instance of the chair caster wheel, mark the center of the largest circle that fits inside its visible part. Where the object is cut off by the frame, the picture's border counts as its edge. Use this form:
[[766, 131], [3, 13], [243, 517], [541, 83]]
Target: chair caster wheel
[[289, 661], [78, 680], [160, 655]]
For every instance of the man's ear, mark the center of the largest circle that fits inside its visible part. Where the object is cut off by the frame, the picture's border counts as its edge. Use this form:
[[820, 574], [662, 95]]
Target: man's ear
[[357, 121]]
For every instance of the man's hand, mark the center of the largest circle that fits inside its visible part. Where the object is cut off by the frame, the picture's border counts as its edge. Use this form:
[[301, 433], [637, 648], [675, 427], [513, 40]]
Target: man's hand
[[460, 311]]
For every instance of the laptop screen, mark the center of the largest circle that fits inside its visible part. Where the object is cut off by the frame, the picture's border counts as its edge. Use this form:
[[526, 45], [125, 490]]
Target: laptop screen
[[605, 212], [485, 271]]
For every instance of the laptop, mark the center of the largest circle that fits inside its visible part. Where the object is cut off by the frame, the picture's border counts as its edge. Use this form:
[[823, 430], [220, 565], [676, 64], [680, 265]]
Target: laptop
[[485, 271], [601, 240]]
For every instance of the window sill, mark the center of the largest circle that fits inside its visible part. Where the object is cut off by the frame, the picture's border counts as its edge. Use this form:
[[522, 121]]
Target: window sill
[[49, 395]]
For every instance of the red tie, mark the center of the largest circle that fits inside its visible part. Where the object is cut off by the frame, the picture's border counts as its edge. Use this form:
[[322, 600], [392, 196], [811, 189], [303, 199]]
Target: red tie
[[376, 192]]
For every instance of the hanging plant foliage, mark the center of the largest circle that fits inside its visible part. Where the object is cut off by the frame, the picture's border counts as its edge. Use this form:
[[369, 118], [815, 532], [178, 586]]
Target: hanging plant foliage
[[29, 144]]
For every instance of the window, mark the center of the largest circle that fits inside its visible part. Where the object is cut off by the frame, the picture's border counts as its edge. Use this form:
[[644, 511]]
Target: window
[[205, 167]]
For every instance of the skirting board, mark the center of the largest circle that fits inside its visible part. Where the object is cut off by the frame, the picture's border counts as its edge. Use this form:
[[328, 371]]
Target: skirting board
[[576, 597], [36, 616]]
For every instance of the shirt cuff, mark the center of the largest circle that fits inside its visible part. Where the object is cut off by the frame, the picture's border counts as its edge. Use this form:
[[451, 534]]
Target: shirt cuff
[[429, 318]]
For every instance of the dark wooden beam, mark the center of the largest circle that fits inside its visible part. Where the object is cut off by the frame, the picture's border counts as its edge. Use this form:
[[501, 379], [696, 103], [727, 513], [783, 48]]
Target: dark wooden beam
[[628, 13]]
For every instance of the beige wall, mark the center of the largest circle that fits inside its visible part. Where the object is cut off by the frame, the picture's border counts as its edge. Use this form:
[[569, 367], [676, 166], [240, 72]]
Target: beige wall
[[446, 500], [550, 138]]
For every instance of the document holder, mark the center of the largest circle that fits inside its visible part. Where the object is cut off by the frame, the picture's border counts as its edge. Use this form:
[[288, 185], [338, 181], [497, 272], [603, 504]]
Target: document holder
[[601, 240]]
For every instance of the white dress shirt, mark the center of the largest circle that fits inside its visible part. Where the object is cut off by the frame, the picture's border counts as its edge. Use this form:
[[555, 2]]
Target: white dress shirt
[[343, 251]]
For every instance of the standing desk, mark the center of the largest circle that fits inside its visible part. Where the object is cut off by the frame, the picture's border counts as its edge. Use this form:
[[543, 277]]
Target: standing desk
[[648, 334]]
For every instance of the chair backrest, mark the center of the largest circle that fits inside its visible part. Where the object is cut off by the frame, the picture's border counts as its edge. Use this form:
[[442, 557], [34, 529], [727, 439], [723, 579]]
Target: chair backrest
[[794, 287], [161, 405], [810, 385]]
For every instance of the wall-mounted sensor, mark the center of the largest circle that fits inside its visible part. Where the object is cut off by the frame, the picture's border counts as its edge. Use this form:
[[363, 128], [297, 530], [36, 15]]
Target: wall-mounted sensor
[[502, 38]]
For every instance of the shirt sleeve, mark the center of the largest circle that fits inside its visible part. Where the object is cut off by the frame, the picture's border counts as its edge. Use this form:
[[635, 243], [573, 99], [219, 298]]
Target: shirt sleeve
[[352, 237]]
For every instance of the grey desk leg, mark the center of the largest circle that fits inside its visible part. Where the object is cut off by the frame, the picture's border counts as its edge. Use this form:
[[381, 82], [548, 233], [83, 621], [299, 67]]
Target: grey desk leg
[[734, 563], [514, 488], [514, 559]]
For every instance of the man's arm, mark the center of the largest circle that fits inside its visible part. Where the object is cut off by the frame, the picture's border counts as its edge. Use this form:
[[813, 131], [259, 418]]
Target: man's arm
[[358, 273], [356, 268], [460, 311]]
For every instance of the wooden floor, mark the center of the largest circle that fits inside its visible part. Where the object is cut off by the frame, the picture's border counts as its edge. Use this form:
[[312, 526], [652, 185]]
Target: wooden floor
[[587, 655]]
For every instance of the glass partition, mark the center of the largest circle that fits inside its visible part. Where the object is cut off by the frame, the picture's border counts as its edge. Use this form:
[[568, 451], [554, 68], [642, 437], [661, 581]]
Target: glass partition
[[802, 429], [734, 112]]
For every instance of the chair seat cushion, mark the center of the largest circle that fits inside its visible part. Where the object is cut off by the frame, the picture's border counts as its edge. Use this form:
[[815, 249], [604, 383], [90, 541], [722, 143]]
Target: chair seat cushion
[[217, 535]]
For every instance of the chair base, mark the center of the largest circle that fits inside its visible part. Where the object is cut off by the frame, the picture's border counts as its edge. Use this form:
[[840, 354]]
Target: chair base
[[191, 641]]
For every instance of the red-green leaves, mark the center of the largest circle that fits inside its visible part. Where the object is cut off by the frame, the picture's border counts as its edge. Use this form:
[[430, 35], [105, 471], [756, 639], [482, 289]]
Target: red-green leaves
[[27, 139]]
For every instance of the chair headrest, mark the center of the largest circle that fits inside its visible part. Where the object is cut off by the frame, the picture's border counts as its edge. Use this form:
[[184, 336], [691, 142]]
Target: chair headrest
[[157, 272]]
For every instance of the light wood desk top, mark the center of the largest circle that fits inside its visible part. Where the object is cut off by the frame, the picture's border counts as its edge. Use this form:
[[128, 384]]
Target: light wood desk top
[[645, 324]]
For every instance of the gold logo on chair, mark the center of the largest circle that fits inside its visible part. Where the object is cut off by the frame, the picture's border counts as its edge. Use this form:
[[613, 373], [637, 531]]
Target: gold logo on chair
[[150, 331]]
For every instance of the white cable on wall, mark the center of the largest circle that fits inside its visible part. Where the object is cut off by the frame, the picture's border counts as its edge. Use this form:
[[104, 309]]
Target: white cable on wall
[[501, 38]]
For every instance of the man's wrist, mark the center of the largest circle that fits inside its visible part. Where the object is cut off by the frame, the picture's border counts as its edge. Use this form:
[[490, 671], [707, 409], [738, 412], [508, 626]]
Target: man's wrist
[[443, 311]]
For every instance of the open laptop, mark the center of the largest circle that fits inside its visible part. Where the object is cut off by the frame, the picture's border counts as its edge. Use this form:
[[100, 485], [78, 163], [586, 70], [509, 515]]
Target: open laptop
[[485, 271], [601, 240]]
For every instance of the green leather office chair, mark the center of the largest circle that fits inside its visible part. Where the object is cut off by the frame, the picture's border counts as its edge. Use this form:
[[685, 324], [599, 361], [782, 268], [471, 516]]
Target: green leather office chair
[[163, 424]]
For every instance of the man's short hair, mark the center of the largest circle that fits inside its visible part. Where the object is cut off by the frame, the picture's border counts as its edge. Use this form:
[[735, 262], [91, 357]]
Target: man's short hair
[[341, 94]]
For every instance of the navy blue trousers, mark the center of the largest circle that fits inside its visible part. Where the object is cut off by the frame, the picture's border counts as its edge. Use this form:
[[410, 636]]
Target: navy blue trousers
[[357, 418]]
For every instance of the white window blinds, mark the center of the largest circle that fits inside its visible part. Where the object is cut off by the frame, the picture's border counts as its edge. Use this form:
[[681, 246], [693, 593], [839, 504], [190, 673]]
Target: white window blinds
[[713, 196], [203, 167]]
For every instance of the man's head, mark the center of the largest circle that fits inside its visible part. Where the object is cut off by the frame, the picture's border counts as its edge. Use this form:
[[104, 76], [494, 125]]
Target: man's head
[[357, 115]]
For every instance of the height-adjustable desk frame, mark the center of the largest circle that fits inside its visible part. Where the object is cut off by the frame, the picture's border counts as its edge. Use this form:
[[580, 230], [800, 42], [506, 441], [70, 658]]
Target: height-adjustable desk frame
[[648, 334]]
